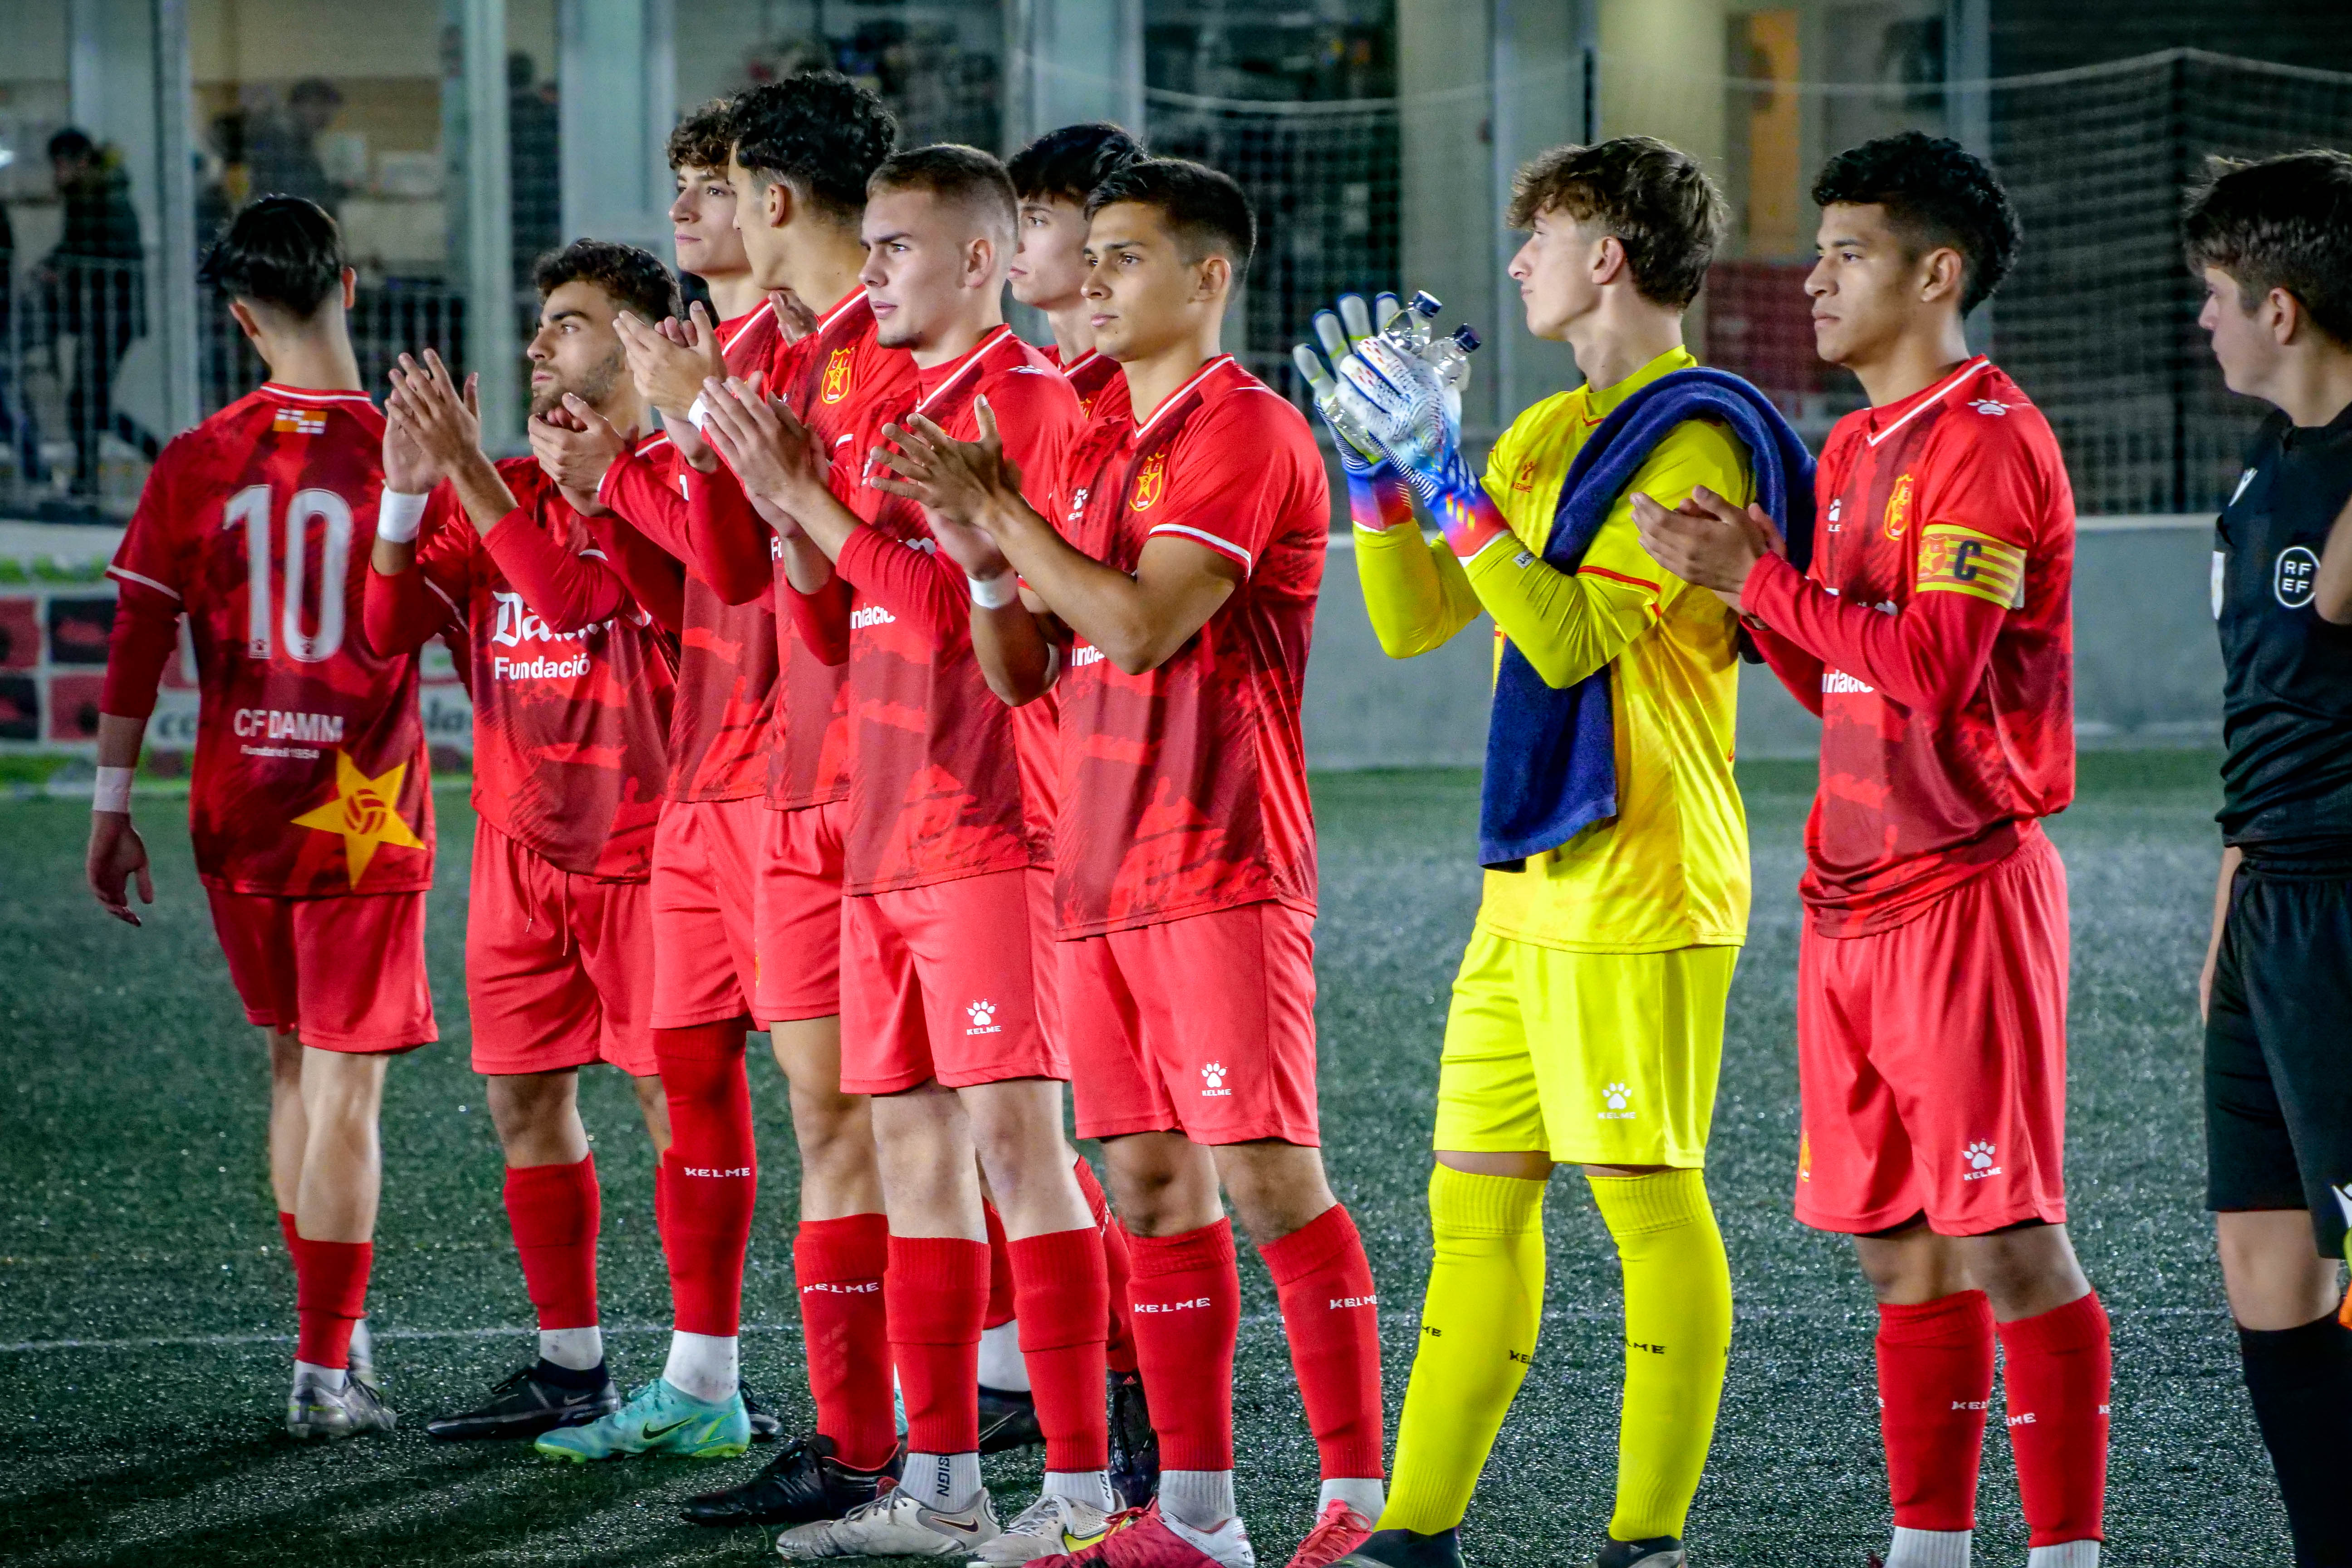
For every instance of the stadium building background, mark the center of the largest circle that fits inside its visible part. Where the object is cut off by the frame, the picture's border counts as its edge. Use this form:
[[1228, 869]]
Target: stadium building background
[[457, 139]]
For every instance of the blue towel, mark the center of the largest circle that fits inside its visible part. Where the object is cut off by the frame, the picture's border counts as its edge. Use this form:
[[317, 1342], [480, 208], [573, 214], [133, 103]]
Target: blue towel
[[1551, 755]]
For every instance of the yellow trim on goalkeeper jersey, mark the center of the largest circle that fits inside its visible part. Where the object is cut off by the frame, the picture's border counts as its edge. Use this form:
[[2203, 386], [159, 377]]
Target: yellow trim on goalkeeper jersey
[[1671, 869]]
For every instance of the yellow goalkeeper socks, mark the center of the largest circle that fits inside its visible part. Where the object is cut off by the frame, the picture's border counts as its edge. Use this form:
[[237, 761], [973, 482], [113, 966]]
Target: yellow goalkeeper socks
[[1478, 1329], [1677, 1337]]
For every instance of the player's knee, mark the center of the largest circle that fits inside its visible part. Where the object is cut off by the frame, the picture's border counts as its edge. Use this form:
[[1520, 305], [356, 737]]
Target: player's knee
[[1276, 1188]]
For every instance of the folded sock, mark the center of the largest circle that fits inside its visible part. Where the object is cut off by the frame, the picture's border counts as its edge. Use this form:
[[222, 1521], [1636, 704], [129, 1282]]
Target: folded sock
[[1059, 1293], [937, 1289], [555, 1211], [2059, 1369]]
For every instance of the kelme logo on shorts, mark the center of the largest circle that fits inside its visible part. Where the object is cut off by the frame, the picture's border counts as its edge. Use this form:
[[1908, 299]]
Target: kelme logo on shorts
[[1979, 1158], [1212, 1082], [1616, 1097], [983, 1019]]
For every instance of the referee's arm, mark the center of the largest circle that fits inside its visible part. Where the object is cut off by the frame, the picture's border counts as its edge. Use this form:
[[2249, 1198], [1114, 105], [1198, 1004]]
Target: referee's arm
[[2332, 592]]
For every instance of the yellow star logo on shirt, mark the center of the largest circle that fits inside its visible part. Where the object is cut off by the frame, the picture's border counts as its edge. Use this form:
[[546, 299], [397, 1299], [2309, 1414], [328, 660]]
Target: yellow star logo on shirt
[[364, 813]]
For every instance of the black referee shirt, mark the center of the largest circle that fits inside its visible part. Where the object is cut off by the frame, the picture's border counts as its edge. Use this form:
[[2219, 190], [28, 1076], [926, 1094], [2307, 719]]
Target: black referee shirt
[[2287, 703]]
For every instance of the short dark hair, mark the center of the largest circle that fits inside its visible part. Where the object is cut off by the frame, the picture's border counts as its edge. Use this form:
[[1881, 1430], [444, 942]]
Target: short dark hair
[[2280, 222], [1204, 207], [1068, 163], [278, 250], [1936, 193], [820, 132], [632, 278], [1654, 199], [71, 143], [702, 139], [952, 172]]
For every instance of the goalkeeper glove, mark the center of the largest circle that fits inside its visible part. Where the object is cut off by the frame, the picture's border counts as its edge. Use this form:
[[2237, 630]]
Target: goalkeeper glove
[[1360, 456]]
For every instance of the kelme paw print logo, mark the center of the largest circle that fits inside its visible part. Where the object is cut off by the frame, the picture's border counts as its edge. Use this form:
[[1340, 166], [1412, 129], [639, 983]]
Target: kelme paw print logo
[[983, 1018], [1980, 1156], [1213, 1080], [1617, 1095]]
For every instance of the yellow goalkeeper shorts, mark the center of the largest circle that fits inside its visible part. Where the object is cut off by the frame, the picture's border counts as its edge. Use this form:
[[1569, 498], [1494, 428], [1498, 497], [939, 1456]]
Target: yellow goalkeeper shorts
[[1598, 1058]]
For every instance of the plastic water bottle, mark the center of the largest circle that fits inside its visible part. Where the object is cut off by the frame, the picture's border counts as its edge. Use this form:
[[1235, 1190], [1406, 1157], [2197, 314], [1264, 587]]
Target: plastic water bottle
[[1450, 356], [1411, 328]]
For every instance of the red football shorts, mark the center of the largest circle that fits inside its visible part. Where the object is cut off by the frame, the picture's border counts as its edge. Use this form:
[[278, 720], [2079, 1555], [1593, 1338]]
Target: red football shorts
[[796, 918], [706, 868], [345, 973], [1203, 1026], [559, 968], [938, 982], [1931, 1060]]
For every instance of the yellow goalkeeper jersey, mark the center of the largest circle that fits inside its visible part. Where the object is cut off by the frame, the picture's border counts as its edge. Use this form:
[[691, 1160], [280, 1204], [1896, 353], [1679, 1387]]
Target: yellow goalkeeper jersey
[[1670, 870]]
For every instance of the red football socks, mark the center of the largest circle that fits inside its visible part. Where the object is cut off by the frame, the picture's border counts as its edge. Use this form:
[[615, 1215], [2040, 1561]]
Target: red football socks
[[1331, 1315], [556, 1211], [330, 1282], [1063, 1298], [2058, 1366], [1186, 1299], [1935, 1383], [1000, 1270], [935, 1291], [711, 1171], [293, 1241], [1118, 1351], [840, 1265]]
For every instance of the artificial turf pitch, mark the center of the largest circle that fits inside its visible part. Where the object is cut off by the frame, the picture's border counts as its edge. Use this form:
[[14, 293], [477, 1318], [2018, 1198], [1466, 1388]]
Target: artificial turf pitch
[[146, 1305]]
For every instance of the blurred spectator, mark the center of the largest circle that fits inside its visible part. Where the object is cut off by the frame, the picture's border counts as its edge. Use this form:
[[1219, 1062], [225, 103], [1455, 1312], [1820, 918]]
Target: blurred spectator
[[226, 182], [94, 288], [537, 195], [18, 432], [282, 149]]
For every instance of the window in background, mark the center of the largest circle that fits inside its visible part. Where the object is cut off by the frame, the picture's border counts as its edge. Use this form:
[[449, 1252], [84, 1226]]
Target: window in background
[[341, 105]]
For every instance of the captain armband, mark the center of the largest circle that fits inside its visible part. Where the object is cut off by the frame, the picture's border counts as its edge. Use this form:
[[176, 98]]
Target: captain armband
[[1955, 560]]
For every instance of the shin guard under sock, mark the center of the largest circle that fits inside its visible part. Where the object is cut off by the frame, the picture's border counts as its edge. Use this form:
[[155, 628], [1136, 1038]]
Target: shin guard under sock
[[2300, 1384], [1935, 1385], [711, 1174], [556, 1212], [1332, 1315], [1677, 1342], [330, 1282], [1059, 1294], [839, 1264], [1187, 1302], [1478, 1320], [1118, 1347], [2058, 1366], [937, 1290]]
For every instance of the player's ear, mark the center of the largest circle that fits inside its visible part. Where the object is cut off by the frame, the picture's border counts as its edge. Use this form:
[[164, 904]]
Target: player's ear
[[1215, 278], [1943, 270], [350, 286], [246, 322]]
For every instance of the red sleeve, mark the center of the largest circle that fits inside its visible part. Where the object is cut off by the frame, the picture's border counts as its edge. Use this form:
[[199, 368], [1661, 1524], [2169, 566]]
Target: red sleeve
[[1038, 416], [1986, 490], [568, 591], [728, 542], [401, 614], [921, 587], [1927, 656], [654, 576], [643, 489], [1799, 671], [146, 634], [822, 619], [147, 555], [1226, 476]]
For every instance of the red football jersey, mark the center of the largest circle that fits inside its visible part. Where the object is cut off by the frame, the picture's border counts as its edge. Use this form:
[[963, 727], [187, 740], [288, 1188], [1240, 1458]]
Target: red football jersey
[[1088, 374], [568, 727], [936, 776], [310, 769], [841, 382], [1952, 503], [1186, 789]]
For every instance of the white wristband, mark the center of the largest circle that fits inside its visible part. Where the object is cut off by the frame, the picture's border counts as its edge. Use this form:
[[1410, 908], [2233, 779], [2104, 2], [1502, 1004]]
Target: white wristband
[[112, 790], [996, 593], [398, 517], [699, 415]]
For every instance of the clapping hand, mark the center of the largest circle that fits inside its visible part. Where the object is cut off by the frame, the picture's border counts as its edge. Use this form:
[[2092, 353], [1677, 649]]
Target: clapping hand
[[1338, 402], [672, 359], [772, 453], [576, 446], [438, 423], [956, 483], [1707, 540]]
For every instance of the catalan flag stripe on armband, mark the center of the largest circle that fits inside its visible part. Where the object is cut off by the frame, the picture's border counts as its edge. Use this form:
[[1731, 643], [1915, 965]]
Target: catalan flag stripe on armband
[[1955, 560]]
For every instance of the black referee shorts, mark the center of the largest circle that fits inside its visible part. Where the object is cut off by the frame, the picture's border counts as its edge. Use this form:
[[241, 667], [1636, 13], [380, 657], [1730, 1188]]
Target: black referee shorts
[[2278, 1053]]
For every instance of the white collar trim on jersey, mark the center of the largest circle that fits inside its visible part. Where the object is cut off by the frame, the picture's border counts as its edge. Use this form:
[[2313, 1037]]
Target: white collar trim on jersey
[[980, 351], [307, 395], [849, 303], [1080, 363], [1932, 398], [1176, 397]]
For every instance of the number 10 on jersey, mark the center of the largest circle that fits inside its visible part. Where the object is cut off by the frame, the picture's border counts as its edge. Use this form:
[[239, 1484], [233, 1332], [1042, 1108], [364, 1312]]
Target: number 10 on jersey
[[250, 509]]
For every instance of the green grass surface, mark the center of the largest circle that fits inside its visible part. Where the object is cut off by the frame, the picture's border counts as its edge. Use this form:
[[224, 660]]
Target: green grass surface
[[146, 1305]]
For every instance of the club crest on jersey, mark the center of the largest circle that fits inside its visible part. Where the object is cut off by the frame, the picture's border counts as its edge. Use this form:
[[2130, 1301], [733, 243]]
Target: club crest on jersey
[[364, 813], [1150, 482], [1898, 508], [835, 386], [299, 422]]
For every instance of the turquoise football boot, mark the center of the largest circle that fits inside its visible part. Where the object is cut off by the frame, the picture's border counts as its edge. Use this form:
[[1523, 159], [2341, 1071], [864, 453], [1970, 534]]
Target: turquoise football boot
[[660, 1418]]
